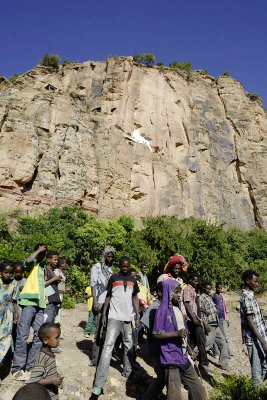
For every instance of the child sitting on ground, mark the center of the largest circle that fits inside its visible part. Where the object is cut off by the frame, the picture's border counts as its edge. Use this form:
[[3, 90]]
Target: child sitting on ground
[[90, 326], [45, 370]]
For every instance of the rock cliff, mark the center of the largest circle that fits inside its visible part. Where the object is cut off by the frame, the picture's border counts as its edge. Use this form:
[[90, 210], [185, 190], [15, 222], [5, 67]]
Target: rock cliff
[[120, 138]]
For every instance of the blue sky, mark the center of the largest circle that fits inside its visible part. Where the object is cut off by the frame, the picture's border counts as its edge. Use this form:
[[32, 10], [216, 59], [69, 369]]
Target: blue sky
[[217, 36]]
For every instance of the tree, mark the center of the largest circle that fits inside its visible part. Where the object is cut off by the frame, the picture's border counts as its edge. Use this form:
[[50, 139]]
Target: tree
[[186, 65], [145, 58], [50, 60]]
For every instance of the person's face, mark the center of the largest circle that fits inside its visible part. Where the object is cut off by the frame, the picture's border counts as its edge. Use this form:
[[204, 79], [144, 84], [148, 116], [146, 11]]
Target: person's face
[[7, 273], [53, 261], [219, 289], [54, 338], [176, 298], [176, 269], [194, 282], [133, 274], [207, 289], [63, 265], [143, 269], [253, 283], [18, 272], [109, 259], [124, 267]]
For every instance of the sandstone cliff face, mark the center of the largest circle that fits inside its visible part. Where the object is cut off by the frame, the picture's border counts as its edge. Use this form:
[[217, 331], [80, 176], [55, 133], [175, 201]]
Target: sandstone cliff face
[[119, 138]]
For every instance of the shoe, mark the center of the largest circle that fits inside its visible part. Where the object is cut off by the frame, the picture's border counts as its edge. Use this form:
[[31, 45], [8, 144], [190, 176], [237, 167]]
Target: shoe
[[206, 368], [20, 376], [87, 336], [224, 368], [97, 390], [92, 364]]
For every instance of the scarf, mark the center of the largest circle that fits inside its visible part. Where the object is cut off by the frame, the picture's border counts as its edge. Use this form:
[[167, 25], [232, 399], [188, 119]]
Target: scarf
[[104, 268]]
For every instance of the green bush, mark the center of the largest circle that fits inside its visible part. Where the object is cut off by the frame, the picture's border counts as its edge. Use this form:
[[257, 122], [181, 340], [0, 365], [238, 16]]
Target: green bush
[[186, 66], [213, 251], [226, 73], [254, 97], [145, 58], [50, 60], [68, 303], [14, 77], [237, 387]]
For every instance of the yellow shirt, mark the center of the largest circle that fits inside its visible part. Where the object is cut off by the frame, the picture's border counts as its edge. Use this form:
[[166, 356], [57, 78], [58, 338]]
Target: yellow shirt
[[89, 301]]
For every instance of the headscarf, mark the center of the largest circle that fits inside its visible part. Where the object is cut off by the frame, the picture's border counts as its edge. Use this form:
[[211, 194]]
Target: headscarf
[[176, 259], [165, 321], [104, 268]]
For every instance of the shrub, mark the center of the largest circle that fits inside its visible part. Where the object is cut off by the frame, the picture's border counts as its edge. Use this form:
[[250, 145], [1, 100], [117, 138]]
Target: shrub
[[226, 73], [14, 77], [145, 58], [68, 303], [237, 387], [186, 66], [160, 64], [50, 60], [254, 97]]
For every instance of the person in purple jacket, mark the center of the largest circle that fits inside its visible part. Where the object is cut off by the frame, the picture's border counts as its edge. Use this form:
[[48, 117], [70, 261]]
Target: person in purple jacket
[[170, 328]]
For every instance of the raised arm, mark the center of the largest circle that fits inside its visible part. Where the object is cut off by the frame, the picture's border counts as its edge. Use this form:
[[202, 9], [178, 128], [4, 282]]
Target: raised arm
[[40, 249]]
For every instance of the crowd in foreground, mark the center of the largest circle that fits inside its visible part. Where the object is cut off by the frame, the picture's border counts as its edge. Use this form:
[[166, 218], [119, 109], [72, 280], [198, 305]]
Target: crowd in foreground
[[181, 326]]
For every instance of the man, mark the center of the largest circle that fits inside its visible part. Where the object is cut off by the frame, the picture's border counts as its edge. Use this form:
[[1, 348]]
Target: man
[[254, 330], [32, 302], [210, 317], [197, 335], [143, 275], [100, 274], [121, 299]]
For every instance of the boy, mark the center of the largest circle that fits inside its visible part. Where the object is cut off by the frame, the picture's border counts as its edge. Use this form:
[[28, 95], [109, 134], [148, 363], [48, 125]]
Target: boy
[[211, 321], [195, 325], [53, 300], [100, 274], [32, 302], [143, 276], [153, 348], [62, 265], [121, 297], [220, 303], [253, 327], [90, 326], [32, 391], [45, 370], [170, 329]]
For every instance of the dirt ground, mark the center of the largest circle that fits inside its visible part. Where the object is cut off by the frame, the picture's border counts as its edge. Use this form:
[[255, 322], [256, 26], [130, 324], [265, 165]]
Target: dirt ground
[[78, 375]]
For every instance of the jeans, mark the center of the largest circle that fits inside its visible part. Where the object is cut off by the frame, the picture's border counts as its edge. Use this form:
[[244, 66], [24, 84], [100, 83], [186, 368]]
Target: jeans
[[216, 335], [90, 326], [215, 347], [50, 312], [114, 328], [258, 362], [174, 377], [98, 339], [197, 338], [30, 316]]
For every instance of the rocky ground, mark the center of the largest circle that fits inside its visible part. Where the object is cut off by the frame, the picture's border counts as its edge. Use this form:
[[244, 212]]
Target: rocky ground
[[76, 351]]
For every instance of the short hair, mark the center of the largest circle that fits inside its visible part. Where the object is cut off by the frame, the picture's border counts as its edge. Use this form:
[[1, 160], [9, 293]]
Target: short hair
[[159, 287], [131, 270], [143, 265], [32, 391], [36, 247], [193, 275], [45, 328], [5, 264], [248, 274], [18, 264], [138, 278], [204, 284], [218, 284], [51, 253], [123, 259], [61, 260]]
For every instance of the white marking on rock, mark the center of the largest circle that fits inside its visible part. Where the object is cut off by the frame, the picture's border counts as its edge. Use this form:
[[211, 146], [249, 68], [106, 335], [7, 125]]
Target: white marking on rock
[[138, 138]]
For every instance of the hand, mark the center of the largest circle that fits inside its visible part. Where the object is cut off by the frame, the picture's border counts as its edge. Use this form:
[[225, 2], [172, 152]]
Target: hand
[[15, 320], [207, 328], [193, 356], [182, 333], [57, 278], [228, 323], [41, 249], [264, 346], [137, 324], [104, 321], [68, 287], [206, 313], [57, 380], [96, 306]]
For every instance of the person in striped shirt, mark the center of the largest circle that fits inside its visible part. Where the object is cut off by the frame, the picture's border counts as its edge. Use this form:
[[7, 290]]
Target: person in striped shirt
[[45, 370]]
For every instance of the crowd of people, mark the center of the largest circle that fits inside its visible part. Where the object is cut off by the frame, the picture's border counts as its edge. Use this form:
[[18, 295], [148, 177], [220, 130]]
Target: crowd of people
[[181, 326]]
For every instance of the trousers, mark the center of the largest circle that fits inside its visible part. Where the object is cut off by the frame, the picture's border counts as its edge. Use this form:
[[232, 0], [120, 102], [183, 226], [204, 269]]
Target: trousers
[[216, 336], [258, 362]]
